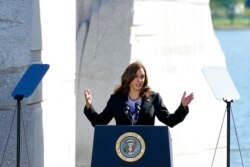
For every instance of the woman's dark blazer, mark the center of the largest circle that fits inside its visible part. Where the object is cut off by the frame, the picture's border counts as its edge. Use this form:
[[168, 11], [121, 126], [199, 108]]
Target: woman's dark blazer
[[150, 107]]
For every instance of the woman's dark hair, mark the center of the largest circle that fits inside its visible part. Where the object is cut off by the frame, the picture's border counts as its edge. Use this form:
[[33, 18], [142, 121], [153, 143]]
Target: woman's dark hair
[[128, 76]]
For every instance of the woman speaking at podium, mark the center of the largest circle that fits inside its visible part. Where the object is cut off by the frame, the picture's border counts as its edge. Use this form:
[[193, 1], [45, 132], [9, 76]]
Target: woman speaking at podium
[[134, 103]]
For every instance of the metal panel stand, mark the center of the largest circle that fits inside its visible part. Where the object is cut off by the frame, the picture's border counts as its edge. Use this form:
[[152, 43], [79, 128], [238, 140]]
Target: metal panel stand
[[224, 89], [25, 88]]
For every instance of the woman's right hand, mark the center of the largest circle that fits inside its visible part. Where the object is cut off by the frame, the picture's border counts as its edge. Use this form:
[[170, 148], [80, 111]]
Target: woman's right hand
[[88, 97]]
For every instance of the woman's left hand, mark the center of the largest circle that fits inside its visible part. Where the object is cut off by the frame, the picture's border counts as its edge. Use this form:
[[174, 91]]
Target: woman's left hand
[[186, 100]]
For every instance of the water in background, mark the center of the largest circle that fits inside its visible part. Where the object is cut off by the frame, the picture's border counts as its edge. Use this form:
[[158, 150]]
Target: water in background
[[236, 47]]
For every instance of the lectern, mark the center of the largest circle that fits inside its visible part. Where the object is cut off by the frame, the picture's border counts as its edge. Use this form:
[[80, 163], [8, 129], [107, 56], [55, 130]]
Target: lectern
[[131, 146]]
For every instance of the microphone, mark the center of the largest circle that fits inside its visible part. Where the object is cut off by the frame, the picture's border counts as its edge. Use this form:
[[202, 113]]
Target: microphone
[[126, 111], [137, 108], [136, 112]]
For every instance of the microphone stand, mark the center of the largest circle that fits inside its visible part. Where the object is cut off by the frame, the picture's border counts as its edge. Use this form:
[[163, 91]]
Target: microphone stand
[[128, 116]]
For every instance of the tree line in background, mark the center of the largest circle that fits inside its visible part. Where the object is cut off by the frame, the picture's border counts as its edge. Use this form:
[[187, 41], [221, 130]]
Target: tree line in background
[[230, 13]]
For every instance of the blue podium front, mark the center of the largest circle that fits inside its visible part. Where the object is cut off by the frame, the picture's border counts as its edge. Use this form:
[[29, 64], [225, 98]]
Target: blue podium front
[[131, 146]]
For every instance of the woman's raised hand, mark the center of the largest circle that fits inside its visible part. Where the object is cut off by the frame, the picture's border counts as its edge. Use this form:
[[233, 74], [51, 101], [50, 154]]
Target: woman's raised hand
[[88, 97], [186, 100]]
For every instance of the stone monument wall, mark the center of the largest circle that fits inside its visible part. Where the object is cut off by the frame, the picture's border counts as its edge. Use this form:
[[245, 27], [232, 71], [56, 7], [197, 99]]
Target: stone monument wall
[[19, 48]]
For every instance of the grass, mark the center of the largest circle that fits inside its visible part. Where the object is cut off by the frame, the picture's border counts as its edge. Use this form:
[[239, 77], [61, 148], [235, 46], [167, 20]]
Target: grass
[[226, 23], [221, 19]]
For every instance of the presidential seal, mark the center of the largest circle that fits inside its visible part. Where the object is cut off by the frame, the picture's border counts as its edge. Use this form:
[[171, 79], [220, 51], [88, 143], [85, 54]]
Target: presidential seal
[[130, 147]]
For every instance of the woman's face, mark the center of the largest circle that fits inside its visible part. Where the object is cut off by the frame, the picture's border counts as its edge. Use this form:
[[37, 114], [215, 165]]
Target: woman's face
[[137, 83]]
